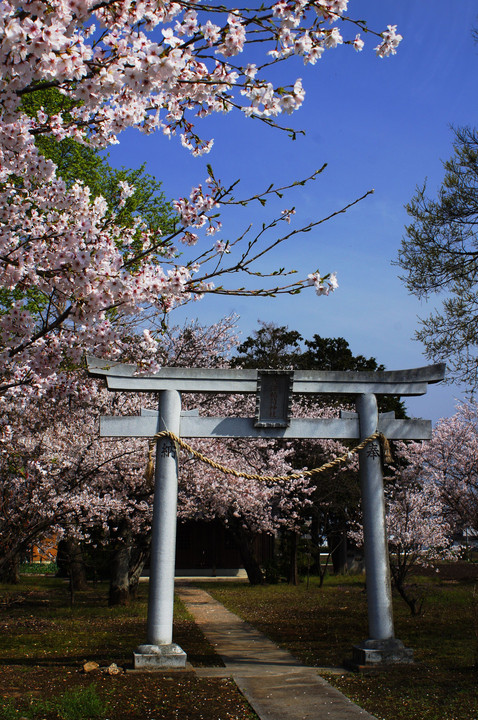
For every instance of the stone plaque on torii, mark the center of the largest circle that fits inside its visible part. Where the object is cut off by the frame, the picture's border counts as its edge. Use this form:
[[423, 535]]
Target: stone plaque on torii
[[273, 390]]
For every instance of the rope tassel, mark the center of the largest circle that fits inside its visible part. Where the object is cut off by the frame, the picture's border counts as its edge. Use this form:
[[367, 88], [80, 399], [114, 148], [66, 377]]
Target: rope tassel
[[149, 471], [387, 452]]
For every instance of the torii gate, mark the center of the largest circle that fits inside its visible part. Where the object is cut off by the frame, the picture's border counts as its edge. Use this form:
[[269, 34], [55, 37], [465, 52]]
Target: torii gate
[[273, 389]]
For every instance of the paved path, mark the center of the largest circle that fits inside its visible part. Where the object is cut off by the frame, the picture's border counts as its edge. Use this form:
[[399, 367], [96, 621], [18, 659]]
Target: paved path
[[276, 685]]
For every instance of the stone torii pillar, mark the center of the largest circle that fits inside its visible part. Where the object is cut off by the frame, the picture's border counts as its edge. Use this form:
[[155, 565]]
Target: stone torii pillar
[[272, 389], [382, 645], [159, 649]]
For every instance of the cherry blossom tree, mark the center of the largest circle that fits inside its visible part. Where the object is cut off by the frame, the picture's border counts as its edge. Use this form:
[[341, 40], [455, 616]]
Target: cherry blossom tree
[[57, 475], [450, 461], [156, 67], [419, 533]]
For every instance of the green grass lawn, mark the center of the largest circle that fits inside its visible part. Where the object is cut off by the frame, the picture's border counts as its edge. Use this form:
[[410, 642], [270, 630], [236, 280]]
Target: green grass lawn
[[44, 643], [320, 625], [38, 624]]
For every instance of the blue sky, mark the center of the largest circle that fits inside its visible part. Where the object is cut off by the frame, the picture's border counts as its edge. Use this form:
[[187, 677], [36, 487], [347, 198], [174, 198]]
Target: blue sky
[[377, 123]]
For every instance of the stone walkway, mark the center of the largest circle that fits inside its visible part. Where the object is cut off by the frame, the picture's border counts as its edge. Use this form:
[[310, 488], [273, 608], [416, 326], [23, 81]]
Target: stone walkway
[[276, 685]]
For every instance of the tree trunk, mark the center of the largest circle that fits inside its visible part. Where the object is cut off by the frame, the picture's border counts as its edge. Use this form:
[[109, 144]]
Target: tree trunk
[[293, 578], [71, 557], [322, 569], [415, 604], [10, 570], [119, 579], [337, 542], [399, 573], [128, 560], [139, 557], [245, 544], [120, 565]]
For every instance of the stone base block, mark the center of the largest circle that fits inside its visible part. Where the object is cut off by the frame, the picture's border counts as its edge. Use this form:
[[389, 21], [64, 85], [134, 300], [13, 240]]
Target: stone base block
[[376, 653], [159, 657]]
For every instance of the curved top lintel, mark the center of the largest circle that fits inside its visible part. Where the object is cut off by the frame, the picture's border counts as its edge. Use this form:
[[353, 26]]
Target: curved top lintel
[[219, 378]]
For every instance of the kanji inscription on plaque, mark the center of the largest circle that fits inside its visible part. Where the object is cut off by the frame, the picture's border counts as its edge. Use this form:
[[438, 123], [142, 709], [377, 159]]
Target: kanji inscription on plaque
[[274, 391]]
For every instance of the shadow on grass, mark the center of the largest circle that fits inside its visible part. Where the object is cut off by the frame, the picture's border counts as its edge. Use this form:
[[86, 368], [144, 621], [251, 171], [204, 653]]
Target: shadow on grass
[[71, 661]]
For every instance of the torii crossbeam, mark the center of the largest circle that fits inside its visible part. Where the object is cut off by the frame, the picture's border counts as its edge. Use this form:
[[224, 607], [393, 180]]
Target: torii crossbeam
[[273, 391]]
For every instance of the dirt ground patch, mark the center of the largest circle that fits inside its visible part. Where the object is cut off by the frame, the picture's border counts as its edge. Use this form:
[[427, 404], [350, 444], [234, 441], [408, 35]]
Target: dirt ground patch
[[127, 696], [44, 644]]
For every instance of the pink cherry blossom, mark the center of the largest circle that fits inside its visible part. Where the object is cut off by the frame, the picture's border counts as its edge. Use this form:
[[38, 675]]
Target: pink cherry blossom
[[159, 68]]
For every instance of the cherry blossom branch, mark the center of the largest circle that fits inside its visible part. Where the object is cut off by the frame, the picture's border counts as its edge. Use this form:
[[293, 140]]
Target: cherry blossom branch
[[246, 258]]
